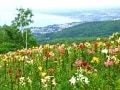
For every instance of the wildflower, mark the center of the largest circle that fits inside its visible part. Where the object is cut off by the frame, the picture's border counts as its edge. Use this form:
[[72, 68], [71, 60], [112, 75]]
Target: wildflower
[[111, 37], [84, 63], [72, 80], [52, 46], [105, 51], [22, 82], [95, 59], [108, 63], [51, 70], [48, 77], [87, 44], [98, 39], [112, 42], [43, 80], [47, 54], [95, 44], [115, 59], [118, 40], [22, 58], [81, 45], [95, 70], [40, 68], [78, 62], [10, 71], [54, 82], [21, 78], [74, 44], [68, 49], [43, 74], [100, 43], [90, 51], [112, 51], [45, 47], [88, 68], [79, 76], [52, 54], [60, 48], [63, 45], [45, 86], [30, 62], [17, 75], [108, 45], [118, 48], [82, 78], [0, 66], [85, 80], [105, 40], [19, 70], [29, 80]]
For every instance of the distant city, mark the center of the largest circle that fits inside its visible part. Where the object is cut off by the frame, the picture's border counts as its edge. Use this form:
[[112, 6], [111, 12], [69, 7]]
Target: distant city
[[82, 16]]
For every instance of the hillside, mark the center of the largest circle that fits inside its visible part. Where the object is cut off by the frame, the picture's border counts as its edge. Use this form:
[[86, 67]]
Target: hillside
[[85, 30]]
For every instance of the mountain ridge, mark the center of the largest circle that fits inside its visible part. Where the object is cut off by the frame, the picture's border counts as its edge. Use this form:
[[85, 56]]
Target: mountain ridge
[[84, 30]]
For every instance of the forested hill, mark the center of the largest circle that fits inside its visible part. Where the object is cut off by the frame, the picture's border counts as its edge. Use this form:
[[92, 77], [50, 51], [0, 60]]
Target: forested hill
[[85, 30]]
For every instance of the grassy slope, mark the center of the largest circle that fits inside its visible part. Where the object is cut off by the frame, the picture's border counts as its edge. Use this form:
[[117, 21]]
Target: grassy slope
[[85, 30]]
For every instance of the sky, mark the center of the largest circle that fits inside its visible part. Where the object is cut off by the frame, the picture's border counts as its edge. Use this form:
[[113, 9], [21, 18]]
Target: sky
[[8, 9]]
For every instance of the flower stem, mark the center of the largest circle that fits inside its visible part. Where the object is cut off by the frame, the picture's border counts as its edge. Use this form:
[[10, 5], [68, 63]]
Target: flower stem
[[5, 69], [50, 83]]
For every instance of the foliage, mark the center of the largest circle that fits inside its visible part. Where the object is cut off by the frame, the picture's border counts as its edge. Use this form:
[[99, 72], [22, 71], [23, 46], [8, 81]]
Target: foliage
[[7, 46], [23, 18]]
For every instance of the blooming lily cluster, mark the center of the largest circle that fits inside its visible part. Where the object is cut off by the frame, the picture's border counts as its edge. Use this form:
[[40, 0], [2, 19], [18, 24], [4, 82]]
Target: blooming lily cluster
[[92, 65], [78, 77]]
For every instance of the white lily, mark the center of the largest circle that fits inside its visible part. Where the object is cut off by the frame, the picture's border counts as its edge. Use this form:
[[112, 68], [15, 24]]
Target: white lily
[[72, 80]]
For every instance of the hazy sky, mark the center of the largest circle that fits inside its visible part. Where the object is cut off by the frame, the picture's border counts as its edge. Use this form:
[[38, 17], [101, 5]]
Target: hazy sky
[[8, 9]]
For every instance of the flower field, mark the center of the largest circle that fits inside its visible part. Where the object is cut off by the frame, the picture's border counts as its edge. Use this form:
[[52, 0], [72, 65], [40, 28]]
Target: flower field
[[84, 66]]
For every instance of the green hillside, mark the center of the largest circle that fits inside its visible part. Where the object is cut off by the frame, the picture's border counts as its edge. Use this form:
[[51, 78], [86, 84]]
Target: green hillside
[[84, 31]]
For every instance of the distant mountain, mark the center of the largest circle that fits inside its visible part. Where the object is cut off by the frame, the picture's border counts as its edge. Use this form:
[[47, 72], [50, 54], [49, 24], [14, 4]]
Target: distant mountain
[[82, 16], [84, 30], [96, 14]]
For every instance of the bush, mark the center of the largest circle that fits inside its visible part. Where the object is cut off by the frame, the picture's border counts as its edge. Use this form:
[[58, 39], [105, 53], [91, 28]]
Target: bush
[[7, 46]]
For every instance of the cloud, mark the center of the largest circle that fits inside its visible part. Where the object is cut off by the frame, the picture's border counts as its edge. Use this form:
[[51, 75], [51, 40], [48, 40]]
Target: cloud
[[46, 4], [8, 8]]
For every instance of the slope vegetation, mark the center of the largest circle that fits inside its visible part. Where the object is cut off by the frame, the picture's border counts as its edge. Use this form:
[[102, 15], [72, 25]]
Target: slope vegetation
[[85, 30]]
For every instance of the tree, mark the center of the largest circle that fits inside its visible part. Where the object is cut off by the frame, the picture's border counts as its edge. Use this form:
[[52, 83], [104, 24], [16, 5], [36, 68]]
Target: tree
[[21, 21], [13, 35], [1, 35], [23, 18], [12, 38]]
